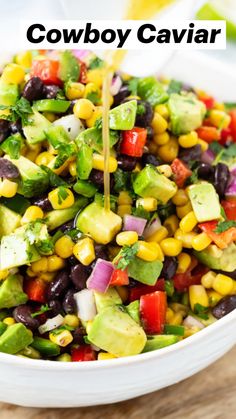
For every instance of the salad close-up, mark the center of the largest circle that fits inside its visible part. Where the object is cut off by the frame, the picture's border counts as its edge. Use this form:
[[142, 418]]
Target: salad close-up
[[91, 273]]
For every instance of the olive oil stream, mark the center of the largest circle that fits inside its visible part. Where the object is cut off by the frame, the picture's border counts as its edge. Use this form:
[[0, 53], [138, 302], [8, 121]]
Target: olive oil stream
[[136, 9]]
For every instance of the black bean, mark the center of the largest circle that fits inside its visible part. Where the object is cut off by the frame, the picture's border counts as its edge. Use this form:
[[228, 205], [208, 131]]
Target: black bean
[[126, 163], [133, 283], [50, 91], [72, 261], [4, 129], [225, 306], [71, 107], [144, 114], [221, 178], [192, 153], [150, 133], [67, 226], [33, 89], [16, 127], [69, 304], [58, 286], [205, 171], [121, 95], [170, 265], [96, 176], [55, 307], [22, 314], [78, 335], [79, 276], [101, 251], [8, 170], [43, 202], [148, 158]]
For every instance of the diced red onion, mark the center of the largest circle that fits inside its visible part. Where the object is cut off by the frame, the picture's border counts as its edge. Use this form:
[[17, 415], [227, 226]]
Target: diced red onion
[[152, 228], [80, 53], [231, 189], [132, 223], [85, 304], [208, 156], [51, 324], [233, 171], [115, 85], [190, 322], [100, 277]]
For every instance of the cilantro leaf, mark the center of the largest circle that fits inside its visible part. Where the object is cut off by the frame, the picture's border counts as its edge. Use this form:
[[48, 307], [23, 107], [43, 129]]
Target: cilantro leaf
[[94, 97], [223, 226], [140, 109], [12, 146], [141, 212], [64, 152], [122, 180], [62, 194], [201, 311], [43, 309], [96, 63], [193, 178], [54, 179], [61, 328], [22, 109], [133, 86], [222, 213], [125, 256]]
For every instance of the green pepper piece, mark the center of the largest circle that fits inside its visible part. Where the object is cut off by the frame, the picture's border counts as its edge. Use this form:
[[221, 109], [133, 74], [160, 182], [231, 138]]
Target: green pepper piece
[[45, 346], [84, 161], [52, 105], [150, 89], [82, 187], [159, 341], [171, 329]]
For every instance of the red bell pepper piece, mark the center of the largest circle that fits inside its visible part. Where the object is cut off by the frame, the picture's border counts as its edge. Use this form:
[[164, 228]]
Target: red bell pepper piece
[[133, 142], [222, 240], [208, 100], [83, 73], [153, 312], [225, 135], [46, 70], [230, 208], [208, 134], [232, 125], [35, 288], [119, 277], [181, 172], [137, 292], [83, 353], [192, 277]]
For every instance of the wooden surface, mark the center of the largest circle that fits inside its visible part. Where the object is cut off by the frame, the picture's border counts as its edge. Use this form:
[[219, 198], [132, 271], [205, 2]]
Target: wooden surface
[[211, 394]]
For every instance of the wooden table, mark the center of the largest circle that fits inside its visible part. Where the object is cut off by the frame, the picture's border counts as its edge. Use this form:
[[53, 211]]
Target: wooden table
[[211, 394]]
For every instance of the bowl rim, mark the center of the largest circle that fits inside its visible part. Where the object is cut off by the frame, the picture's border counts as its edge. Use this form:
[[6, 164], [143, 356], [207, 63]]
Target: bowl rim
[[117, 362]]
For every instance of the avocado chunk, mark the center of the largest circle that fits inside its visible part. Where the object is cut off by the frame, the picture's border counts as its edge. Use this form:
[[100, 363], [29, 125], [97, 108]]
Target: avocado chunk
[[159, 341], [17, 203], [224, 260], [149, 182], [122, 117], [150, 89], [9, 221], [133, 311], [117, 333], [109, 298], [8, 93], [69, 69], [16, 250], [52, 105], [11, 293], [35, 131], [56, 218], [34, 181], [145, 272], [186, 113], [3, 327], [15, 338], [205, 201], [92, 137], [100, 224]]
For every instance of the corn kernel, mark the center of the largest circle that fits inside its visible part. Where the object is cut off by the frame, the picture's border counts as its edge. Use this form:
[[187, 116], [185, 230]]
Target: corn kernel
[[64, 247], [91, 88], [179, 308], [219, 106], [73, 169], [169, 315], [99, 163], [64, 358], [184, 209], [44, 158], [159, 235], [171, 246], [137, 168], [214, 297], [159, 123], [198, 295], [30, 273], [161, 139], [165, 170], [123, 210], [163, 111], [188, 140], [8, 188], [83, 109], [32, 213], [172, 224], [126, 238], [55, 263], [223, 284], [13, 73], [149, 203], [40, 265], [103, 356], [152, 147], [3, 274], [123, 293], [219, 119], [47, 276], [190, 331], [9, 321], [61, 198], [96, 76], [75, 90], [71, 320], [184, 261], [51, 117], [124, 198], [188, 222], [148, 251], [208, 279], [169, 151], [204, 145], [180, 198], [63, 338], [24, 59], [177, 319], [233, 291], [185, 238], [84, 251], [201, 241]]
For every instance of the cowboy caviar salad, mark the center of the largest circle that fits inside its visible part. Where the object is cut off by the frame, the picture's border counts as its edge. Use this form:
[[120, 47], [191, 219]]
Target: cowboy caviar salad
[[77, 282]]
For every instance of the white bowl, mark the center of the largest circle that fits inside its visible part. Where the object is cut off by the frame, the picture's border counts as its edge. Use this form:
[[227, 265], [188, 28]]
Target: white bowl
[[54, 384]]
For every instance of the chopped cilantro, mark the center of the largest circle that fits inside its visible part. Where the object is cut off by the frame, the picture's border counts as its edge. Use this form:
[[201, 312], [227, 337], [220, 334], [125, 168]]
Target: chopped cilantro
[[61, 328], [94, 97], [223, 226], [64, 152], [12, 146], [222, 213], [193, 178], [141, 212], [133, 86], [43, 309], [96, 63], [140, 109], [62, 194], [201, 311], [122, 180], [215, 147], [125, 256], [33, 230], [21, 109], [54, 179]]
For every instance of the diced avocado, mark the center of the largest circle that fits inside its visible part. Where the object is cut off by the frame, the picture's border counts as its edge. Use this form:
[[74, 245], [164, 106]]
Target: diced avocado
[[100, 224], [145, 272], [205, 201], [133, 311], [56, 218], [34, 181], [122, 117], [104, 300], [159, 341], [116, 332], [17, 203], [186, 113], [93, 138], [11, 293], [15, 338], [84, 161], [69, 69], [9, 221], [8, 94], [224, 260], [57, 135], [150, 89], [52, 105], [149, 182], [3, 327], [35, 131], [16, 250]]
